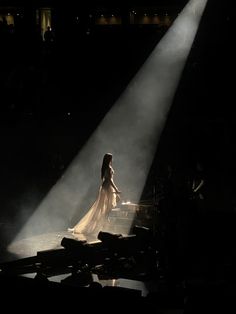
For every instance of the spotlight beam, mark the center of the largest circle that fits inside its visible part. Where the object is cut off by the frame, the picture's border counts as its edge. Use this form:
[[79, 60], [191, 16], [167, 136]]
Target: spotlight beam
[[130, 130]]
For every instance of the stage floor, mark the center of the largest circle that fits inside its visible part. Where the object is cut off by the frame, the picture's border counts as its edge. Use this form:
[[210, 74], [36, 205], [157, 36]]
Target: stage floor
[[30, 246]]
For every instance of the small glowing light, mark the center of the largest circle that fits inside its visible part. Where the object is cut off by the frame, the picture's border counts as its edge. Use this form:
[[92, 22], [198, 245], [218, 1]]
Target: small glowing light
[[8, 13], [102, 15], [68, 113], [17, 14], [112, 15], [77, 17], [145, 14], [126, 203]]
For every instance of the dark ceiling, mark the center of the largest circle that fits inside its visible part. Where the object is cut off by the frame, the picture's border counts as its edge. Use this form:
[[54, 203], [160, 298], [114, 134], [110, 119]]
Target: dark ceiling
[[178, 4]]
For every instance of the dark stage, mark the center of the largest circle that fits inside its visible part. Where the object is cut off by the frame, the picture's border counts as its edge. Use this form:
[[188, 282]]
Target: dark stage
[[55, 93]]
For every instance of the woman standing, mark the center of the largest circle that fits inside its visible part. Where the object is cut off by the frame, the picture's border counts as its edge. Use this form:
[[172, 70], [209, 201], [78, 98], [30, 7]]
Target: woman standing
[[107, 199]]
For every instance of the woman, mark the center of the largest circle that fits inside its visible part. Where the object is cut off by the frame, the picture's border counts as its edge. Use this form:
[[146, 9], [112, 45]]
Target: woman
[[107, 198]]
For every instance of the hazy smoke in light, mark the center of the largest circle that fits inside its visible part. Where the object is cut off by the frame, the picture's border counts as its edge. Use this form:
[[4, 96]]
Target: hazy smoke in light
[[130, 131]]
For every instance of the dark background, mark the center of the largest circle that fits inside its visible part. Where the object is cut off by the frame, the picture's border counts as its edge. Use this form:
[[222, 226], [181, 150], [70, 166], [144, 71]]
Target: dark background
[[52, 98]]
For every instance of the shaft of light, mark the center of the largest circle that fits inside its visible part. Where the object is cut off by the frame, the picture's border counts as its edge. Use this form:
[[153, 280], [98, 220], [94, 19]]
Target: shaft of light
[[130, 130]]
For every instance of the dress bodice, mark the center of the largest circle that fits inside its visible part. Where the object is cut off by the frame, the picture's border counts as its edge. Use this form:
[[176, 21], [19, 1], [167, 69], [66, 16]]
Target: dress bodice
[[108, 176]]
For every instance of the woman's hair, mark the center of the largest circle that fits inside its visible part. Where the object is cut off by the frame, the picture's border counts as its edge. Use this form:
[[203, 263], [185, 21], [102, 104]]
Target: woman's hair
[[105, 163]]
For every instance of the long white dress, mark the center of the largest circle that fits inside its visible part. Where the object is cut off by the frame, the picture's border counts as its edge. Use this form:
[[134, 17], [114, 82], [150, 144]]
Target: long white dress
[[97, 215]]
